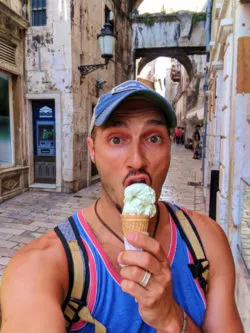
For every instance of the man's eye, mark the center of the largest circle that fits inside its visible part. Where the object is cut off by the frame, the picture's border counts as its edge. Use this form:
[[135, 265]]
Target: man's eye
[[155, 139], [115, 140]]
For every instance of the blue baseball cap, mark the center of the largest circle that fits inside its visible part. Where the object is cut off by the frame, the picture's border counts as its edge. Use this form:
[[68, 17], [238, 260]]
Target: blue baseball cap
[[110, 101]]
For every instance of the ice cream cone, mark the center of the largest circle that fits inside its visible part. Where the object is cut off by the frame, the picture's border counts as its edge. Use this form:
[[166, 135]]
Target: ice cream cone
[[134, 223]]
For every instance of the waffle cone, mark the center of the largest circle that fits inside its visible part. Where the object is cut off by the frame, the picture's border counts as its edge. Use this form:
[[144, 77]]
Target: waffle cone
[[132, 223]]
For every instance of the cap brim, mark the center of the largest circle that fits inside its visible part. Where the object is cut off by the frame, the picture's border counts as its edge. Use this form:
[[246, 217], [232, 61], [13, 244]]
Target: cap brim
[[156, 99]]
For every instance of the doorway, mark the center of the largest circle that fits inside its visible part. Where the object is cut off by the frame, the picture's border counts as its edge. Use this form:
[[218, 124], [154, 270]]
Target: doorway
[[44, 139]]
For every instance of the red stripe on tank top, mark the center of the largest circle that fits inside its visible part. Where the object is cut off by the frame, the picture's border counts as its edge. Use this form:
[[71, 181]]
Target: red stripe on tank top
[[173, 242], [99, 248]]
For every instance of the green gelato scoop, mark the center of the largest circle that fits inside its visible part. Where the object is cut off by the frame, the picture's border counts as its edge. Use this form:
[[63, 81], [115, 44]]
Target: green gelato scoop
[[139, 199]]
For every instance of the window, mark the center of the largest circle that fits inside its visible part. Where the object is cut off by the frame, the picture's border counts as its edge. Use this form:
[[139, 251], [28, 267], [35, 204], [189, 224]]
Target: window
[[39, 12], [5, 122]]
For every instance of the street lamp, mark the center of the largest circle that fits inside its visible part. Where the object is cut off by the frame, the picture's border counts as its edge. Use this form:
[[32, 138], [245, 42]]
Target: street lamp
[[107, 42]]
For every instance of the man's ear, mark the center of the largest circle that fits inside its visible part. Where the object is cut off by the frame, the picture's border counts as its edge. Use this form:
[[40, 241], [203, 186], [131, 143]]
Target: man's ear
[[91, 148]]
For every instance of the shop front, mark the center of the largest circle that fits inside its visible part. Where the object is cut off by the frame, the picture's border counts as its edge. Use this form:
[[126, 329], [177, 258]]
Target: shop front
[[13, 140]]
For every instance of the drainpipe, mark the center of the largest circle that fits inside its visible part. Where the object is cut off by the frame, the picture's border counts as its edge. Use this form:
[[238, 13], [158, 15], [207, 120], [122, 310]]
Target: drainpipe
[[208, 23], [208, 38]]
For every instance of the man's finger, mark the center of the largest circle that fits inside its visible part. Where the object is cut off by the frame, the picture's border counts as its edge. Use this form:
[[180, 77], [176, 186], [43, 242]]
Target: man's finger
[[142, 259], [147, 243]]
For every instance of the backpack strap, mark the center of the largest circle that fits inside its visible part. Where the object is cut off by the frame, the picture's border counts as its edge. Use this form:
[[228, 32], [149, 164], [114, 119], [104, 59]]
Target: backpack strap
[[189, 234], [75, 305]]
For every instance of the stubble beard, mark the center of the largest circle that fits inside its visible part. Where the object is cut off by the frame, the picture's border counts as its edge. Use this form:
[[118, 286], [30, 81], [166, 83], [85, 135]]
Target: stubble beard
[[109, 192]]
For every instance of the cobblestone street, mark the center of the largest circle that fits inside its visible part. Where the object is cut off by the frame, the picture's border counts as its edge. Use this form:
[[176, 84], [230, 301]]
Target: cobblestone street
[[33, 213]]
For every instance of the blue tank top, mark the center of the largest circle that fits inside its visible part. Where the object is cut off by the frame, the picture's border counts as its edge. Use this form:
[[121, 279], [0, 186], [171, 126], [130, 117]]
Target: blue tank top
[[118, 311]]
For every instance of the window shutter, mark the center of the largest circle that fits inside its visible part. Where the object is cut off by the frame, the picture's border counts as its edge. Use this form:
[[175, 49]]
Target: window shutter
[[7, 52]]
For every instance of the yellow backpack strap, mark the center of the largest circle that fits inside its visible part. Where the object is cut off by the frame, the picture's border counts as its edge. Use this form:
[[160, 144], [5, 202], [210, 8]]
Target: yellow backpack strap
[[200, 267], [75, 305], [72, 309]]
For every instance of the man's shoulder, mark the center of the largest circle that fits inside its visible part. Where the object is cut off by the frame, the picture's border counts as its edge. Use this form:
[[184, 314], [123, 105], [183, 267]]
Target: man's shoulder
[[46, 242], [212, 235], [44, 251], [204, 224]]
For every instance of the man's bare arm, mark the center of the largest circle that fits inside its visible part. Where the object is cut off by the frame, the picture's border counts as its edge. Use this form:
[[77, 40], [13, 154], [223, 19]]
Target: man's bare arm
[[221, 314], [33, 288]]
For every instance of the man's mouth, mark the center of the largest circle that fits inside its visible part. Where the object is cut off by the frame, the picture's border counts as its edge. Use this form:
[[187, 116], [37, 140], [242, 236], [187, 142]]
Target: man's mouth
[[140, 179]]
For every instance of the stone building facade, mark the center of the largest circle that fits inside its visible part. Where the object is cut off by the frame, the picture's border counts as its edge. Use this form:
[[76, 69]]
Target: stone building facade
[[13, 126], [189, 100], [228, 116], [59, 103]]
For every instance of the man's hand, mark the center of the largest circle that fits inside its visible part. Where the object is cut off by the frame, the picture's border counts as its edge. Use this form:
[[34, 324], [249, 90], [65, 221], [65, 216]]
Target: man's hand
[[157, 306]]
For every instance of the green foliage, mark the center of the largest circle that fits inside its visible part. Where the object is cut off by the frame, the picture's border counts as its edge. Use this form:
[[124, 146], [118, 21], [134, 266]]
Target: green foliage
[[149, 19], [163, 10], [197, 17]]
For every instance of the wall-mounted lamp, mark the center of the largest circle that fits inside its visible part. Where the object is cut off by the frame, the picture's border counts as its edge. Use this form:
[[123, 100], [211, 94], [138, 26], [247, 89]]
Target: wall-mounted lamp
[[98, 85], [106, 41]]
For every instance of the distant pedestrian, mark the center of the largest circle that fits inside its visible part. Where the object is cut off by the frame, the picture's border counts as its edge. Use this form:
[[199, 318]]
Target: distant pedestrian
[[178, 135], [196, 133], [196, 143], [182, 135], [196, 147]]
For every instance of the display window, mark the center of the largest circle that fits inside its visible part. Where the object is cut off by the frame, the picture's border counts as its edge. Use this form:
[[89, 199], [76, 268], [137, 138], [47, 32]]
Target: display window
[[6, 128]]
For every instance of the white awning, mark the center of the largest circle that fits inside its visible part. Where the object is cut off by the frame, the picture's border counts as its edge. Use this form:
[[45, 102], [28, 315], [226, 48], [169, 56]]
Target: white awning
[[198, 114]]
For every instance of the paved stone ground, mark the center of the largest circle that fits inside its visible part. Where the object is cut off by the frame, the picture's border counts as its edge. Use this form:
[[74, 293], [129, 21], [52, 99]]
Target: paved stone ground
[[33, 213]]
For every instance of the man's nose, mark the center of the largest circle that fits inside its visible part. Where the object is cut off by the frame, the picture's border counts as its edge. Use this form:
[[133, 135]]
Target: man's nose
[[136, 157]]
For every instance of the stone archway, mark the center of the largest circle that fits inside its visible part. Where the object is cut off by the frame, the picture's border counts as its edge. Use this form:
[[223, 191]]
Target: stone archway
[[174, 35], [183, 59]]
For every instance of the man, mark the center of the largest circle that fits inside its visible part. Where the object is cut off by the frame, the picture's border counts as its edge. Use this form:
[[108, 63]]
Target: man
[[196, 143], [197, 133], [129, 291]]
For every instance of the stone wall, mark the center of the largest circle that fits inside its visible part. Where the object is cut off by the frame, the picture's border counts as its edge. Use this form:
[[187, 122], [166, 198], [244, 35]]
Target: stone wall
[[190, 98], [49, 72], [172, 30], [228, 146]]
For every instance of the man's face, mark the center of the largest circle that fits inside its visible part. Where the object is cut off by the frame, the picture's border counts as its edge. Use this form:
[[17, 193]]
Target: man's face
[[133, 146]]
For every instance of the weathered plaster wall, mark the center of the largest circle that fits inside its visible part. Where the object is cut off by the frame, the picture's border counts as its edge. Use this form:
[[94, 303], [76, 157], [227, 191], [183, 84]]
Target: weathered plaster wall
[[49, 70], [190, 105], [241, 99], [87, 21], [168, 31], [15, 5], [229, 59]]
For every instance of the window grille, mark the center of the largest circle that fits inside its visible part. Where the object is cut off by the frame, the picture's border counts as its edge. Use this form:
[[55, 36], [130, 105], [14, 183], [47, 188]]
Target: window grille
[[39, 16]]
